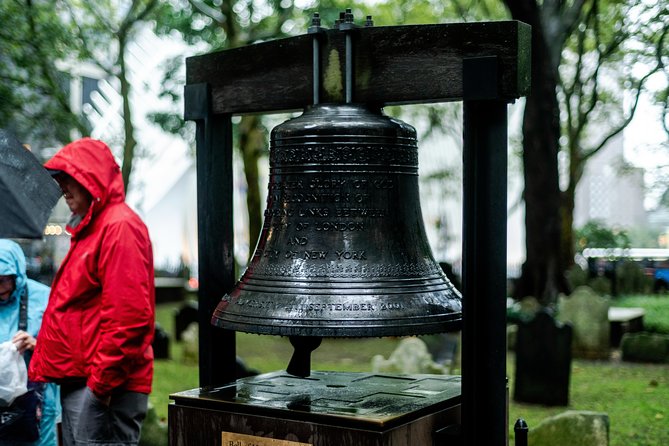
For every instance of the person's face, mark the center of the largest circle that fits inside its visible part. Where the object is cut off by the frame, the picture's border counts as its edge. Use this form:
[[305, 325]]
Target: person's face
[[6, 287], [76, 196]]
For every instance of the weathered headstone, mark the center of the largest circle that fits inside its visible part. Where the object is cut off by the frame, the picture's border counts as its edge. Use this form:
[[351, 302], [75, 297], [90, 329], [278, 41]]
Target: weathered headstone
[[183, 317], [410, 356], [572, 428], [444, 348], [529, 306], [543, 361], [511, 335], [521, 311], [190, 338], [645, 347], [161, 343], [588, 314]]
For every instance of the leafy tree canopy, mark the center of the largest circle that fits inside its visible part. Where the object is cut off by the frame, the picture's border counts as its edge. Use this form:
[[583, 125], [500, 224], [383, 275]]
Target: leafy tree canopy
[[595, 234], [34, 93]]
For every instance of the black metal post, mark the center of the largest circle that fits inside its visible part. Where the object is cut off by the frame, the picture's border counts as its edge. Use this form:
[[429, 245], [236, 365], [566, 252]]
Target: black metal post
[[520, 430], [217, 347], [484, 393]]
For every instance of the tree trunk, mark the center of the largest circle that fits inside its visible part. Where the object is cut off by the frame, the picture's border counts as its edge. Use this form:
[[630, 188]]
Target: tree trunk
[[128, 129], [567, 214], [568, 203], [542, 276], [251, 144]]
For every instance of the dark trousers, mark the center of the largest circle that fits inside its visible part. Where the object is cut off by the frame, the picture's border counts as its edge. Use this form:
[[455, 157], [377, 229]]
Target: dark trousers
[[87, 421]]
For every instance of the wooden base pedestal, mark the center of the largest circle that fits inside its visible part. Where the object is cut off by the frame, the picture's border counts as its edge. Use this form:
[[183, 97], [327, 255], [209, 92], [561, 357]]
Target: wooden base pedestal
[[325, 409]]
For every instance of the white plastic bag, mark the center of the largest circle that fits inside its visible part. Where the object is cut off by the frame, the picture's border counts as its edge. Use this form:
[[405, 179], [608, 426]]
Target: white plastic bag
[[13, 374]]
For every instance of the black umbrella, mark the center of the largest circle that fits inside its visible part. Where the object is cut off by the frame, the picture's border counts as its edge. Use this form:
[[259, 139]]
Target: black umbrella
[[27, 192]]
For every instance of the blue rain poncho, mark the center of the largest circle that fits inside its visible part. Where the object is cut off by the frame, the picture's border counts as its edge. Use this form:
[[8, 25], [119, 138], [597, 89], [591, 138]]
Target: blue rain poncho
[[13, 263]]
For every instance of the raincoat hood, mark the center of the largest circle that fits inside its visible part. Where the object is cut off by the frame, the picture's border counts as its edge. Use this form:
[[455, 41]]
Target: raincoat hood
[[13, 263], [91, 163]]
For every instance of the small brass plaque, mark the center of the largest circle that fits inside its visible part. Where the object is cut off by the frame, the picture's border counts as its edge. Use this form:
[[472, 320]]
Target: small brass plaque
[[233, 439]]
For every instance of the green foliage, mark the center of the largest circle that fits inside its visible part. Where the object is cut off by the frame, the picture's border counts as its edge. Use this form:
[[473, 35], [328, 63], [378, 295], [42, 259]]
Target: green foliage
[[630, 278], [644, 237], [595, 234], [576, 277], [34, 94], [600, 285]]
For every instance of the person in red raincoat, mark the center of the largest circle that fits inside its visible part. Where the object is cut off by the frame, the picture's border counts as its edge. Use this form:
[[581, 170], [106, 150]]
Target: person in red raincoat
[[98, 327]]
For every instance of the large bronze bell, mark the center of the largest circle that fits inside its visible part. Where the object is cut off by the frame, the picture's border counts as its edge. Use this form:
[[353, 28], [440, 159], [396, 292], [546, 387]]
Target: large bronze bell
[[343, 250]]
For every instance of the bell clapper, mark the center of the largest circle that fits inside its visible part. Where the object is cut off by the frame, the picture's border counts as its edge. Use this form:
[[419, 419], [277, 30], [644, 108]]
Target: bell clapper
[[300, 363]]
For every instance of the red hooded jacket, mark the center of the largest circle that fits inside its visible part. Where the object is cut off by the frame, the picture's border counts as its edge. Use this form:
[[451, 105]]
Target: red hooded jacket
[[98, 325]]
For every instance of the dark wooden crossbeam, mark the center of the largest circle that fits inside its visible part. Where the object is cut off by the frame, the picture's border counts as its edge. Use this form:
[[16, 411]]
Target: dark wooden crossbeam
[[391, 65]]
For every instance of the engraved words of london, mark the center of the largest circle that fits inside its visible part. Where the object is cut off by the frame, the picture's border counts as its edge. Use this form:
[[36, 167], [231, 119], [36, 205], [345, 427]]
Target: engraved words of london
[[310, 208]]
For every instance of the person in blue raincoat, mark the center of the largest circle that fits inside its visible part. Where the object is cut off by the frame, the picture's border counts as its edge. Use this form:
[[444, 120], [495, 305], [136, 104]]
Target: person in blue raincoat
[[13, 281]]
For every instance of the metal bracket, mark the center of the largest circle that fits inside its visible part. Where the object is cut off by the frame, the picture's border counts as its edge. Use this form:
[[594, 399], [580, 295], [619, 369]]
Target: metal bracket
[[480, 78], [197, 101]]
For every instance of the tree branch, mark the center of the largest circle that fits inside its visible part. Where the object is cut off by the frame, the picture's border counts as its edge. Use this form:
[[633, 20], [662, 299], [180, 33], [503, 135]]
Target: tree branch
[[620, 127], [46, 69], [213, 13]]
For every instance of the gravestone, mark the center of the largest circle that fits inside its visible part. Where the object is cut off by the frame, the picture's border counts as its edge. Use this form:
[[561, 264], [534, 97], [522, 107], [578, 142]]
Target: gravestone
[[645, 347], [522, 310], [572, 428], [528, 307], [411, 356], [161, 343], [543, 361], [588, 314], [444, 348], [191, 346], [183, 317], [511, 335]]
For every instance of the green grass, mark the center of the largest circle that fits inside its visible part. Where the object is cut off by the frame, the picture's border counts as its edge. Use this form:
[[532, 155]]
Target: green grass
[[657, 310], [170, 375], [634, 395]]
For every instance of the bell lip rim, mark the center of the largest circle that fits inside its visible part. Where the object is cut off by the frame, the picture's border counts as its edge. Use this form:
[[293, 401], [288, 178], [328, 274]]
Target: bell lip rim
[[449, 325], [271, 324]]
